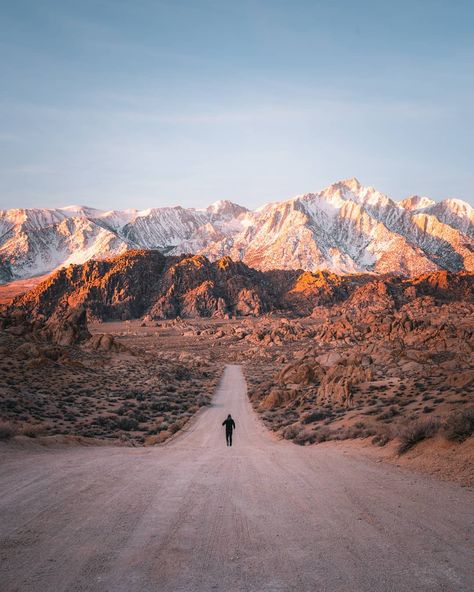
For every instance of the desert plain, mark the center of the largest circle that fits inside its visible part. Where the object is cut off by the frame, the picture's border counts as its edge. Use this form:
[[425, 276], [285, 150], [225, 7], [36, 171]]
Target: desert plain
[[352, 459]]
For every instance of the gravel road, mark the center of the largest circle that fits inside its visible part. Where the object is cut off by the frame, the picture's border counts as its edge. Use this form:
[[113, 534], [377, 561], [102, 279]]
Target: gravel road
[[195, 515]]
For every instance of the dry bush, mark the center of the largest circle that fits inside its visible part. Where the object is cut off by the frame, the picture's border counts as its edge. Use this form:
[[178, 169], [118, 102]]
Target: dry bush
[[290, 432], [323, 434], [304, 436], [127, 423], [164, 435], [7, 430], [358, 430], [152, 440], [175, 427], [316, 415], [32, 430], [389, 414], [382, 437], [416, 432], [459, 426]]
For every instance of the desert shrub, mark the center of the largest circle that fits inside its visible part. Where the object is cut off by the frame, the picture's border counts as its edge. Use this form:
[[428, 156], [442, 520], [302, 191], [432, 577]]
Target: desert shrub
[[123, 409], [33, 430], [175, 427], [140, 417], [10, 404], [315, 416], [354, 431], [416, 432], [127, 423], [389, 414], [161, 406], [290, 432], [459, 426], [164, 435], [382, 437], [105, 421], [7, 430], [304, 436], [322, 435]]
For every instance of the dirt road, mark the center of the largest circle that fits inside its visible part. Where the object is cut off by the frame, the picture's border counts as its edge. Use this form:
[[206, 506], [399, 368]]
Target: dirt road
[[197, 516]]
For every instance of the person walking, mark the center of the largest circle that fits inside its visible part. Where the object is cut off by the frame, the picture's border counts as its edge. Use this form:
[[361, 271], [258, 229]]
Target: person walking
[[229, 424]]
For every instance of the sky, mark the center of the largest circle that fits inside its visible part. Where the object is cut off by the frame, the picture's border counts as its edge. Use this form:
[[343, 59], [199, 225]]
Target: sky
[[145, 103]]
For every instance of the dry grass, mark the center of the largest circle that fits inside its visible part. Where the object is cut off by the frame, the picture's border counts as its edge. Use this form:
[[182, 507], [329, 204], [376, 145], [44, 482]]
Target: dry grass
[[459, 426], [7, 430], [416, 432], [32, 430]]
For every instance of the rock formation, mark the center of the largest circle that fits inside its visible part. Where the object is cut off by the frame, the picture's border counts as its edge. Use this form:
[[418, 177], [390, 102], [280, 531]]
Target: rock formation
[[147, 283]]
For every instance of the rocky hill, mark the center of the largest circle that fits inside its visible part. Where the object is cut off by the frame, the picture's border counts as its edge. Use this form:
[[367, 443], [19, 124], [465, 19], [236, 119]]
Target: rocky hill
[[146, 283], [345, 228]]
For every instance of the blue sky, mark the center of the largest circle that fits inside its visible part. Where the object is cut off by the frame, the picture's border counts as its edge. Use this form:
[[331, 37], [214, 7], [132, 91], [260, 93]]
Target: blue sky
[[143, 103]]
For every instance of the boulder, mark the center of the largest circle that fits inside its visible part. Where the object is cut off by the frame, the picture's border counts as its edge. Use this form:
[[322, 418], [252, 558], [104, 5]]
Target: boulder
[[104, 342], [67, 327], [300, 373]]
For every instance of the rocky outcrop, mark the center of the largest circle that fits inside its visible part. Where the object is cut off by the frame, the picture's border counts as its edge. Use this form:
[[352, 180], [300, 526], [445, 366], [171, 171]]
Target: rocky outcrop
[[67, 327], [307, 372], [338, 381], [146, 283], [104, 342]]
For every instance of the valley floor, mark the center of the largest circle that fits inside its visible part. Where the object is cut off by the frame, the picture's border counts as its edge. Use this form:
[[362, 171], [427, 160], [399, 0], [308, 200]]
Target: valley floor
[[194, 515]]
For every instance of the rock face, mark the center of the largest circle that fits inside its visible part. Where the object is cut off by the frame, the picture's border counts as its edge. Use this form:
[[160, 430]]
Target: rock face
[[337, 384], [147, 283], [105, 343], [67, 326], [345, 228]]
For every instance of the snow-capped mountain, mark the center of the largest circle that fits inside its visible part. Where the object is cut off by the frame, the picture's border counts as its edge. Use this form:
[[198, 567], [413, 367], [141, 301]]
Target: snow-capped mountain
[[345, 228], [36, 241]]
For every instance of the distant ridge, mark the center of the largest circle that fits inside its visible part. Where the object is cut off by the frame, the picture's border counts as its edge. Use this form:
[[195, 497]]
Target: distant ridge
[[146, 283], [345, 228]]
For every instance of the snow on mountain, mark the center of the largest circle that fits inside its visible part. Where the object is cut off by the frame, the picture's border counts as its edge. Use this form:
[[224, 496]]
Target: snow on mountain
[[346, 228], [455, 213], [350, 228], [29, 249], [416, 202]]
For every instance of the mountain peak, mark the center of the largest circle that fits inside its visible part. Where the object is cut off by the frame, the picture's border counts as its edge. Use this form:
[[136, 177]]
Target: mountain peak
[[352, 183], [415, 202], [346, 227], [225, 207]]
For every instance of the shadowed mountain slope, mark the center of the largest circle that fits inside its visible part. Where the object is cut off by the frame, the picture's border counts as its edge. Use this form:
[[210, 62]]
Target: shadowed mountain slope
[[147, 283]]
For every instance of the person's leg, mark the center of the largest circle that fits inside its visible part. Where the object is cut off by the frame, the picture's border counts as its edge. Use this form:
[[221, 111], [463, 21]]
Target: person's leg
[[230, 439], [227, 438]]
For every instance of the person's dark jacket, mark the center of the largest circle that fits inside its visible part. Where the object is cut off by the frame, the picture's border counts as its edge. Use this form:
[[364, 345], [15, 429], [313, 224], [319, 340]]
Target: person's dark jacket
[[229, 424]]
